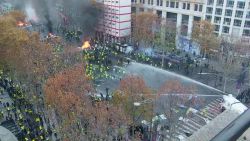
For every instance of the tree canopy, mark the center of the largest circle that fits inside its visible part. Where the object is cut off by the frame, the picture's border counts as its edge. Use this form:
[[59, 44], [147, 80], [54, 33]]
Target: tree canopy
[[203, 33], [143, 27]]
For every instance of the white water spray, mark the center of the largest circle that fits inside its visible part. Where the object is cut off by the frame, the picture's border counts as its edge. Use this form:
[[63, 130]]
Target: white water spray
[[145, 66]]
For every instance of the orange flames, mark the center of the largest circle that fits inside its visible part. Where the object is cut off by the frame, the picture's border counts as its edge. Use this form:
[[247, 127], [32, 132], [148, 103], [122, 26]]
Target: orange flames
[[21, 24], [50, 35], [86, 45]]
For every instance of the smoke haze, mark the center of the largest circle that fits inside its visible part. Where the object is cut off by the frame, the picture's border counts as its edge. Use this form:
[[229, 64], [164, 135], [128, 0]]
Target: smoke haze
[[83, 14]]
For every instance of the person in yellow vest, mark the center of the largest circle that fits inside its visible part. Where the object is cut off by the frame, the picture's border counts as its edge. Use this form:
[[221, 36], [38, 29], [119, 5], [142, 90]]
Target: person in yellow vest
[[204, 111]]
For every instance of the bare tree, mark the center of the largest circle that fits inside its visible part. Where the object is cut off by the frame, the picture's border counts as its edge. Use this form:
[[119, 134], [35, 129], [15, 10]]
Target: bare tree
[[169, 100]]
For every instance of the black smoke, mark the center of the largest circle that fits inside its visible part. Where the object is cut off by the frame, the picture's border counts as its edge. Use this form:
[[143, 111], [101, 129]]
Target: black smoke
[[49, 24], [83, 14]]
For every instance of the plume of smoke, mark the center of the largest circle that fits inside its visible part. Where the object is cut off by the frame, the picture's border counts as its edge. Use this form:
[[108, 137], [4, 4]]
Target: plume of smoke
[[31, 13], [80, 13]]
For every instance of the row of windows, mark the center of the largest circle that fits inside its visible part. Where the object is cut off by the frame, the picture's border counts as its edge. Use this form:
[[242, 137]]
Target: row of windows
[[228, 12], [225, 29], [110, 16], [111, 1], [227, 21], [111, 31], [229, 3], [172, 4]]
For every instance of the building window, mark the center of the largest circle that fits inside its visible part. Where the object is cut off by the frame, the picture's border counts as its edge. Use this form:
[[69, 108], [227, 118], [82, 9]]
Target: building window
[[225, 29], [196, 19], [227, 21], [247, 24], [230, 3], [248, 15], [188, 6], [209, 10], [196, 7], [217, 20], [184, 6], [167, 3], [228, 12], [240, 4], [220, 2], [237, 22], [161, 2], [177, 5], [218, 11], [152, 2], [172, 4], [200, 8], [246, 32], [239, 14], [217, 28], [210, 2], [133, 9], [148, 2], [208, 17]]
